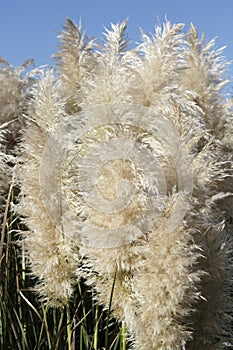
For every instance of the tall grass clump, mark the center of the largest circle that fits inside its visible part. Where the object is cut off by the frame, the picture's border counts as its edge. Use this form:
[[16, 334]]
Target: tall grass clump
[[122, 197]]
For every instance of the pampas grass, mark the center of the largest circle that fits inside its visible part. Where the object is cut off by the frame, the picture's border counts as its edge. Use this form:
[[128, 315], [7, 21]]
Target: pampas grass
[[134, 145], [13, 87]]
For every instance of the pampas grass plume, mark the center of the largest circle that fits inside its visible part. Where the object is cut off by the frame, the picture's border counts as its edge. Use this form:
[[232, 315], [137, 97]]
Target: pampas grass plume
[[173, 284]]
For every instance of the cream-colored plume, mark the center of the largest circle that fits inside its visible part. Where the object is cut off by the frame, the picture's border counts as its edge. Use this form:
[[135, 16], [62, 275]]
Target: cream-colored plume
[[14, 85], [126, 179]]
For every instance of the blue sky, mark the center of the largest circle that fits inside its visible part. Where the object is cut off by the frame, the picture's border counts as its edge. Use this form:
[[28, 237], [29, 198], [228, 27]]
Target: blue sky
[[28, 29]]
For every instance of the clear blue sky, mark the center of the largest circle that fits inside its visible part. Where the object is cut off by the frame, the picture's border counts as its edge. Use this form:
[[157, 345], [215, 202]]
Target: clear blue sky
[[28, 28]]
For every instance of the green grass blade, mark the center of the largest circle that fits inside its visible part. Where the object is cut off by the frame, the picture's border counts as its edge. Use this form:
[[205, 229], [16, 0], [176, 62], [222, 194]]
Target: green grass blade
[[109, 311]]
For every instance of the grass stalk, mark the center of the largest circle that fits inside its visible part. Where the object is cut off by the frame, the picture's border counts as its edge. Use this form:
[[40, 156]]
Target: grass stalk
[[96, 330], [109, 310], [123, 335], [45, 325], [68, 327]]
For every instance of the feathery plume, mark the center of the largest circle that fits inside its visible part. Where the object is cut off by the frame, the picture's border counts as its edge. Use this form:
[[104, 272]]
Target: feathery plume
[[14, 84], [128, 183], [213, 193], [52, 256], [74, 63]]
